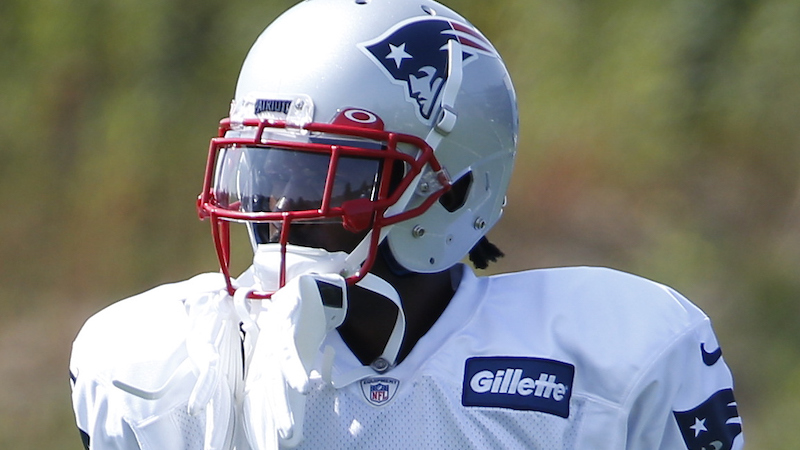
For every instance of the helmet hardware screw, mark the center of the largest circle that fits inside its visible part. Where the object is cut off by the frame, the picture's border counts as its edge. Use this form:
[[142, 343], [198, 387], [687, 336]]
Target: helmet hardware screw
[[480, 223], [428, 10], [418, 231]]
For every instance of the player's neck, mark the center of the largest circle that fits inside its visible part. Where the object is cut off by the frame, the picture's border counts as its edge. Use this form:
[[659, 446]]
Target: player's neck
[[371, 318]]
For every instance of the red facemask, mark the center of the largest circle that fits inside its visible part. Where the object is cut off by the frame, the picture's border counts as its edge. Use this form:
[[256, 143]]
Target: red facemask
[[280, 179]]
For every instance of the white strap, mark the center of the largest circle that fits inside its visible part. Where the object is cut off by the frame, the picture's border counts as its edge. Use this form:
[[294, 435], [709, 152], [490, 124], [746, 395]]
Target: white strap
[[382, 287], [447, 116]]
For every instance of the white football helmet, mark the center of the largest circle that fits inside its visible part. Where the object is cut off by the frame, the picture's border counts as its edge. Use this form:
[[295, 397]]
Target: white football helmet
[[397, 120]]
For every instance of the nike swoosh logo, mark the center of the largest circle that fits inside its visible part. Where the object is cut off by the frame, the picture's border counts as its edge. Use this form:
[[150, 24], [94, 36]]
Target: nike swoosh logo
[[710, 358]]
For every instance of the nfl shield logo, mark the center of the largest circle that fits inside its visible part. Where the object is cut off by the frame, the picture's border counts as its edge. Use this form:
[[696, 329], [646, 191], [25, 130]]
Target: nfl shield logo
[[379, 391]]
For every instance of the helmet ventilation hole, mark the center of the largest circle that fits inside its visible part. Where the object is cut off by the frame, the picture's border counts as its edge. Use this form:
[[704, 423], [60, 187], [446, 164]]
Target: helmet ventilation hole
[[455, 198], [428, 10]]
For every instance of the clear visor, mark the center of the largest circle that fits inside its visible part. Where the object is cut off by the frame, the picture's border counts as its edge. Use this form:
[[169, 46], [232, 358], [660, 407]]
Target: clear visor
[[269, 179]]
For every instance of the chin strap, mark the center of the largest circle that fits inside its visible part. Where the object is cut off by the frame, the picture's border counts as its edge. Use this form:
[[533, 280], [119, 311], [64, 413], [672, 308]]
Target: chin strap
[[388, 358], [447, 115]]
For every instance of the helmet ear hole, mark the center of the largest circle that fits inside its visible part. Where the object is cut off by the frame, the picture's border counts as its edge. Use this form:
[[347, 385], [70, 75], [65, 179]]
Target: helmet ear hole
[[456, 197]]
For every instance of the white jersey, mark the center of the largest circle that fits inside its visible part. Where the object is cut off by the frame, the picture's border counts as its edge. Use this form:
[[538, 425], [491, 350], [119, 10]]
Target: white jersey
[[570, 358]]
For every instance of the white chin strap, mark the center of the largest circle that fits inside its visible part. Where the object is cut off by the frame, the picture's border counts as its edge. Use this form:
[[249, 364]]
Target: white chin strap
[[388, 358], [444, 125]]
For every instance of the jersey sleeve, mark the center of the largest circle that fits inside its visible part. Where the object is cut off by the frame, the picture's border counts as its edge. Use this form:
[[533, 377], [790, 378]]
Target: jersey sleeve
[[686, 399], [131, 375], [130, 343]]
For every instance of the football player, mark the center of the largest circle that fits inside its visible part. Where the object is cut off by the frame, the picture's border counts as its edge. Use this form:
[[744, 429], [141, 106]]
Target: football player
[[367, 152]]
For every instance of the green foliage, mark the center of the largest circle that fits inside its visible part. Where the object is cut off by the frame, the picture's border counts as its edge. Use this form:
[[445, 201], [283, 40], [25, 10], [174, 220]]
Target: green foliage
[[657, 137]]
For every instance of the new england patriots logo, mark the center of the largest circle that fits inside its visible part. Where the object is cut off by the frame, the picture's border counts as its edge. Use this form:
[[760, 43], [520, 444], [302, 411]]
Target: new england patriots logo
[[713, 425], [414, 54]]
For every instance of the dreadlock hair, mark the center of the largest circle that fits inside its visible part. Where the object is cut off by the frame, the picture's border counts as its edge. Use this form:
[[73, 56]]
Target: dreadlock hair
[[483, 253]]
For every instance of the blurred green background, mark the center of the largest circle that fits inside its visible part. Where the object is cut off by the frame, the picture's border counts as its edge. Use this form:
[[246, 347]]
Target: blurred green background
[[660, 138]]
